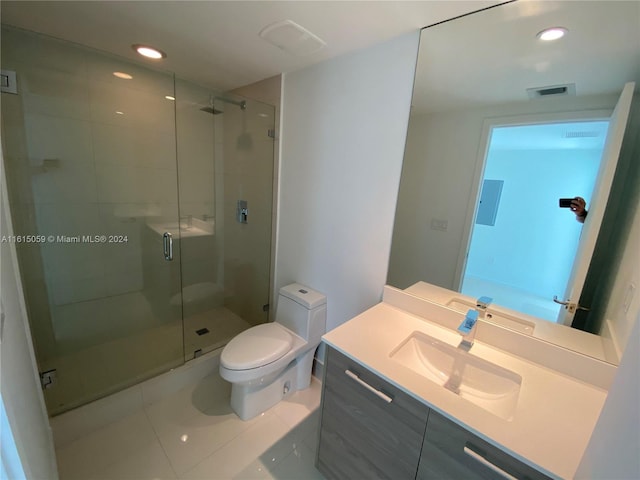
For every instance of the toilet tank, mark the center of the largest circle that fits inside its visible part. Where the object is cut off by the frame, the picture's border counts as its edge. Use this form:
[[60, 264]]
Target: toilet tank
[[303, 311]]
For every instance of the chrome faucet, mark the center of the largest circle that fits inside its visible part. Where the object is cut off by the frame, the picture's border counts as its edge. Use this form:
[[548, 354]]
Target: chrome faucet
[[468, 326], [482, 304], [468, 330]]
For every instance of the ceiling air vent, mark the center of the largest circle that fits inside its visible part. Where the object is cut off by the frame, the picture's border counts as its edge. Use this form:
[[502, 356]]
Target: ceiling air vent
[[581, 134], [292, 38], [552, 91]]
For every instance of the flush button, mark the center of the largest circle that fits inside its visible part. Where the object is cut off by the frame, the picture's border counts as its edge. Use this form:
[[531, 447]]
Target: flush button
[[303, 291]]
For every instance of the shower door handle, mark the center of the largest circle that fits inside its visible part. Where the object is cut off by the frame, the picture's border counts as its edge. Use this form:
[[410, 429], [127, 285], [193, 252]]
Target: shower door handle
[[167, 243]]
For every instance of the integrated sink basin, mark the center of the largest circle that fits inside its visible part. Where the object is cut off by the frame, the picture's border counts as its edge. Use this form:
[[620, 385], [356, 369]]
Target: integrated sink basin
[[478, 381]]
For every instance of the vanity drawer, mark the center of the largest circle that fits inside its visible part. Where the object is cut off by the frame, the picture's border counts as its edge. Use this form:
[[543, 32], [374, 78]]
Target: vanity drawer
[[451, 452], [369, 428]]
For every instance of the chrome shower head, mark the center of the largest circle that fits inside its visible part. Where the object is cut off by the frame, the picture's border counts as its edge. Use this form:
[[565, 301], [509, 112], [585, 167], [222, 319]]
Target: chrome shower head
[[211, 110]]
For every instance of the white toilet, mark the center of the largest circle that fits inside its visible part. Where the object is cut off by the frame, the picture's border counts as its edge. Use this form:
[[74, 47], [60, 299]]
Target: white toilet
[[268, 362]]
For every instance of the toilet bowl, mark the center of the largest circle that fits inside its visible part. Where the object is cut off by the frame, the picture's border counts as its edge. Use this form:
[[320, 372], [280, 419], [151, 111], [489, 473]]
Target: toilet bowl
[[269, 362]]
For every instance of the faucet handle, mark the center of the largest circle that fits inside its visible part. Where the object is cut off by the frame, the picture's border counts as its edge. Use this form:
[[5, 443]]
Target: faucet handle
[[483, 302], [469, 322]]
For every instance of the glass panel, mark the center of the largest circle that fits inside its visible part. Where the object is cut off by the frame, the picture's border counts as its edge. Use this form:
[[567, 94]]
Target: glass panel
[[225, 156], [91, 168]]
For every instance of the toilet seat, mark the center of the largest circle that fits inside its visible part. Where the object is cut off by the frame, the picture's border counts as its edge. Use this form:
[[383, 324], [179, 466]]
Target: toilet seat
[[256, 347]]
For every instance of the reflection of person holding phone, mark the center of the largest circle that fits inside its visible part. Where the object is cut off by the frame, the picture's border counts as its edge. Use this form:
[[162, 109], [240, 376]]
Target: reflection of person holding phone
[[577, 206]]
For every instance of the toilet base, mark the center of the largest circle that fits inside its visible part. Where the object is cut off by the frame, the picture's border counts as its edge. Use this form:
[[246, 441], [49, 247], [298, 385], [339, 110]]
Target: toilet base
[[249, 400]]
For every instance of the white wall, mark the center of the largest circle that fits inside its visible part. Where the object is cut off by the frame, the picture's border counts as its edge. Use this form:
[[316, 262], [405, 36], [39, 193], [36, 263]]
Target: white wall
[[343, 133], [612, 452], [20, 387]]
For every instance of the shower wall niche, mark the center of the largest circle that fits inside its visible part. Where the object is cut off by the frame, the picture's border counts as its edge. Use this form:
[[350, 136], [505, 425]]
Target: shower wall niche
[[103, 172]]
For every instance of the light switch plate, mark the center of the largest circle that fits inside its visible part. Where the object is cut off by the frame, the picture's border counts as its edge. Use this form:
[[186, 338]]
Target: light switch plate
[[8, 83], [441, 225]]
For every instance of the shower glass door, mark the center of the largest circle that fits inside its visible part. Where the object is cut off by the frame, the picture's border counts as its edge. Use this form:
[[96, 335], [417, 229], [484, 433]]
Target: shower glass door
[[226, 164], [90, 155]]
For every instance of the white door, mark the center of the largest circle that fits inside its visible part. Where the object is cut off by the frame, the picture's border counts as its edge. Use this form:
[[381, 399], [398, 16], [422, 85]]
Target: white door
[[597, 204]]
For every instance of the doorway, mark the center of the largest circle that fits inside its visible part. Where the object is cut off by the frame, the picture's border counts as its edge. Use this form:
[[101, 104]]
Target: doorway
[[522, 245]]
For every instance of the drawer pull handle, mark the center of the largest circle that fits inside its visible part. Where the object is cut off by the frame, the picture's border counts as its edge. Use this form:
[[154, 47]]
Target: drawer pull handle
[[383, 396], [476, 456]]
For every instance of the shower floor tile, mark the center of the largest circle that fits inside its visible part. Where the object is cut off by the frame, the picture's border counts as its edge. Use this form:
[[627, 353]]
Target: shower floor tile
[[222, 325], [88, 373], [194, 434]]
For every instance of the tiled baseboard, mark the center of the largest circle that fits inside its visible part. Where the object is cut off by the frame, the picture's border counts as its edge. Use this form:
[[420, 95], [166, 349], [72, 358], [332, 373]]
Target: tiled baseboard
[[83, 420]]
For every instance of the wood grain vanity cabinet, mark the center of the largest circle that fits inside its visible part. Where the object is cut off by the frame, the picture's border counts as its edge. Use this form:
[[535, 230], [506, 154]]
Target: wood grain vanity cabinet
[[370, 429], [450, 451]]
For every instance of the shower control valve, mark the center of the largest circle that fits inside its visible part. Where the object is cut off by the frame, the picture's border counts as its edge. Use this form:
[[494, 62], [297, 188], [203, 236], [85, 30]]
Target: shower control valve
[[242, 211]]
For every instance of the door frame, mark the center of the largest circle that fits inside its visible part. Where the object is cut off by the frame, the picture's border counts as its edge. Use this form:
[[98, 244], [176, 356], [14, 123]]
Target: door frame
[[488, 125]]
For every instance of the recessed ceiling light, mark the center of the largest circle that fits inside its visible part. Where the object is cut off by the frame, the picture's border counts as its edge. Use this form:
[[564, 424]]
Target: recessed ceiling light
[[169, 97], [122, 75], [553, 33], [119, 112], [149, 52]]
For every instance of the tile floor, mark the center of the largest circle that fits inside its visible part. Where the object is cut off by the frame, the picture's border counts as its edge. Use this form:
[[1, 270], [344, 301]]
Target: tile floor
[[194, 434]]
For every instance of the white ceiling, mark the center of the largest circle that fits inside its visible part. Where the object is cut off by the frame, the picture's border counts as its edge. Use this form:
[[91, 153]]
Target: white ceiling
[[492, 57], [216, 43]]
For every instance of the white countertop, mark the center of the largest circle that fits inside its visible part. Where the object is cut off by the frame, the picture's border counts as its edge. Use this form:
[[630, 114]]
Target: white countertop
[[555, 414]]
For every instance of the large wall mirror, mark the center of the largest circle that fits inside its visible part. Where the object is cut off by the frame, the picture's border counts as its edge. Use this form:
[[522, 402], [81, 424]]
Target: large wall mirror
[[503, 124]]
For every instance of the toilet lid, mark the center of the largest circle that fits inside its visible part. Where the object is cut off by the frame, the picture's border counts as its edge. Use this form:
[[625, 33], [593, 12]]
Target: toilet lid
[[256, 347]]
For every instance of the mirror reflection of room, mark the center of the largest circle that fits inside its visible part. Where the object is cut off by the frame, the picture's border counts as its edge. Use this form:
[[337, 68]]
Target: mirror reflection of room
[[523, 245], [575, 98]]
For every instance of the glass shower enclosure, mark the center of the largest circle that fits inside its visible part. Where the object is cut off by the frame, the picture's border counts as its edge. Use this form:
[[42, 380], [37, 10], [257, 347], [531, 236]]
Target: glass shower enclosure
[[226, 208], [142, 209]]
